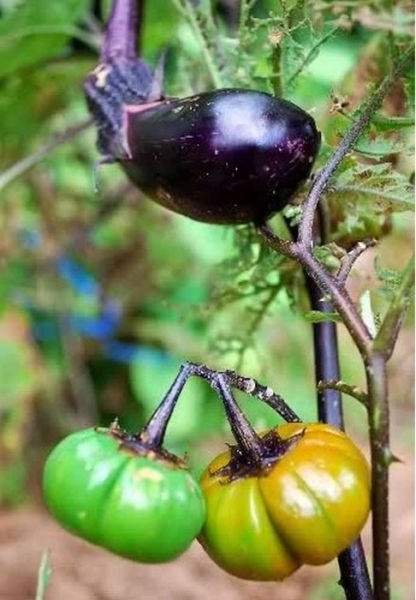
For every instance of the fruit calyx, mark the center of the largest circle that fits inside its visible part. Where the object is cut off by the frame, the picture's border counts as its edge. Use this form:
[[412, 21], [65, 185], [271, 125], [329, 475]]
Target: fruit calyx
[[141, 445], [272, 449]]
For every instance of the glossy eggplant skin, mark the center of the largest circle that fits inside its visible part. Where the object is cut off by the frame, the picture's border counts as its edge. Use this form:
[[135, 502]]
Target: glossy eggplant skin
[[227, 157]]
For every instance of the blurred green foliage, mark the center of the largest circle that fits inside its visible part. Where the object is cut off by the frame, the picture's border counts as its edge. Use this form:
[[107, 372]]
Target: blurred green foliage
[[102, 296]]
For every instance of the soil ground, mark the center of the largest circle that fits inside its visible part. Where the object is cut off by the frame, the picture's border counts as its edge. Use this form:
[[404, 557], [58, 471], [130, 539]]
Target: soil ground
[[83, 572]]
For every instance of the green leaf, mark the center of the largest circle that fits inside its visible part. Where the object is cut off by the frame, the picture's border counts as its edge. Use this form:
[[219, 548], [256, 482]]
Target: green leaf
[[389, 188], [384, 123], [37, 30], [379, 146], [316, 316], [389, 277]]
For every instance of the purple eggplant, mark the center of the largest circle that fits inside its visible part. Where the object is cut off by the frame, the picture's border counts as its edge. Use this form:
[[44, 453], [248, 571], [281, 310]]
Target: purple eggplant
[[230, 156]]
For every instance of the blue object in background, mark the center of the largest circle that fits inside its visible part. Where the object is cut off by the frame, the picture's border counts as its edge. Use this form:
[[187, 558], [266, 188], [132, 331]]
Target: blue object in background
[[102, 327], [99, 327], [77, 276], [126, 352]]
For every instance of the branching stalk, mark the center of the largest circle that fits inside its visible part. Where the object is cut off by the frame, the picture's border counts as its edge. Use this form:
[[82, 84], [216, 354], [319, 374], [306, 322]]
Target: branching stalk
[[374, 360], [378, 415], [222, 382], [357, 128], [352, 562], [326, 283], [344, 388]]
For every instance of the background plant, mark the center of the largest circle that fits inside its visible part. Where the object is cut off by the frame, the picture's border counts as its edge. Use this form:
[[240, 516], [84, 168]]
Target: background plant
[[96, 320]]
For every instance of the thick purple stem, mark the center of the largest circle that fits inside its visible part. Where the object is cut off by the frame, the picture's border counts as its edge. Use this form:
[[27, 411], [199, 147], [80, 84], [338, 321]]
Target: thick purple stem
[[120, 37]]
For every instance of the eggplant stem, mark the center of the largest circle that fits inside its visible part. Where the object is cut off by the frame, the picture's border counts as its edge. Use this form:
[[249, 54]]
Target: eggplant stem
[[248, 441], [263, 393], [155, 429], [221, 381], [120, 37]]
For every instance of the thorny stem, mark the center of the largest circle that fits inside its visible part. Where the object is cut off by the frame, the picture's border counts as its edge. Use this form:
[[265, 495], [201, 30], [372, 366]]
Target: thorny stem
[[349, 259], [326, 283], [276, 66], [344, 388], [247, 439], [374, 361], [352, 562], [222, 382], [378, 415], [378, 411], [245, 9], [264, 394], [322, 179], [340, 298], [306, 60], [250, 445]]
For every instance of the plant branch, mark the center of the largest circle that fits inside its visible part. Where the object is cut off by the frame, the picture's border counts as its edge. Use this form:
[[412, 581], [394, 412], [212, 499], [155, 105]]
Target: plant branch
[[344, 388], [341, 300], [347, 262], [387, 334], [326, 283], [156, 426], [245, 436], [31, 160], [379, 425], [352, 561], [310, 55], [358, 126], [263, 393], [245, 8], [375, 362], [301, 250]]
